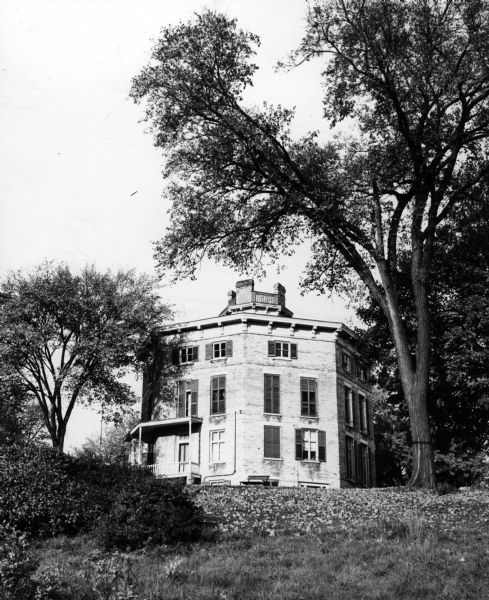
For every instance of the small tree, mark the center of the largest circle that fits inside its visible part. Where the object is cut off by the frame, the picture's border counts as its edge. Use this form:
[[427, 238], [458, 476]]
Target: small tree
[[413, 78], [71, 337]]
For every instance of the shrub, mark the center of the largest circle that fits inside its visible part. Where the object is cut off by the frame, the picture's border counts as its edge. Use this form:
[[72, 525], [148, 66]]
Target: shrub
[[43, 494], [151, 511], [37, 495], [16, 567]]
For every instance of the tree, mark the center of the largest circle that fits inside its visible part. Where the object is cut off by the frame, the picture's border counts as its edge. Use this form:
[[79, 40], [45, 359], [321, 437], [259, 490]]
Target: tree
[[71, 337], [458, 404], [111, 446], [412, 77], [21, 419]]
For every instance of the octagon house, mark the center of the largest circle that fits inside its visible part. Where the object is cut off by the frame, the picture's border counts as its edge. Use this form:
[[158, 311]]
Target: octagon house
[[260, 397]]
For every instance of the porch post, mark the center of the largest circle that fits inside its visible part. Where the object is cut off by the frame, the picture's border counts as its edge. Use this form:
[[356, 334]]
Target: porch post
[[189, 476], [140, 447]]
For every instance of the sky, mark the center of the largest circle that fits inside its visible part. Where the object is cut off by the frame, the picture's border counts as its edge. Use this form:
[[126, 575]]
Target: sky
[[81, 180]]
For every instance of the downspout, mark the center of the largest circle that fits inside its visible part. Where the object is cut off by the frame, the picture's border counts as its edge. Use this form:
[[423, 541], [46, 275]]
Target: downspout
[[221, 475], [140, 446]]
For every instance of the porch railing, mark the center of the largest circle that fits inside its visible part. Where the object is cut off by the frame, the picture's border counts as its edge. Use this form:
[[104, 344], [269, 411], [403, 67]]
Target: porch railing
[[174, 469]]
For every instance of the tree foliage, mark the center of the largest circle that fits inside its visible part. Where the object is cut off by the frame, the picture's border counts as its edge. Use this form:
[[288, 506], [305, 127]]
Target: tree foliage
[[71, 337], [21, 419], [413, 78]]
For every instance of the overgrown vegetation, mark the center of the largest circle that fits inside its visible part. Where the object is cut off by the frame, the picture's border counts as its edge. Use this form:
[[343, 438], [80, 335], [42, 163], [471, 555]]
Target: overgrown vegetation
[[150, 512], [45, 495], [412, 546]]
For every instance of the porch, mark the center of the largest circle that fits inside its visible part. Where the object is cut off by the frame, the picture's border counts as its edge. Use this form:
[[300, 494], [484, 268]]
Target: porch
[[181, 454]]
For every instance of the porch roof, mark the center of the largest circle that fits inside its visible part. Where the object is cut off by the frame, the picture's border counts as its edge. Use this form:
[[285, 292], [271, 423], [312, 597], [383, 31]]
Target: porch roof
[[149, 428]]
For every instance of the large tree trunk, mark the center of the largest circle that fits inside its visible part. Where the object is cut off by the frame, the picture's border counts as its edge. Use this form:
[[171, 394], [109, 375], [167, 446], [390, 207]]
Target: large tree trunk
[[414, 380]]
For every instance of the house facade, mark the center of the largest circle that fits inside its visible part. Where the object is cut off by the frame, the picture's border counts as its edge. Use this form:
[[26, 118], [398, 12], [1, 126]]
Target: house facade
[[260, 396]]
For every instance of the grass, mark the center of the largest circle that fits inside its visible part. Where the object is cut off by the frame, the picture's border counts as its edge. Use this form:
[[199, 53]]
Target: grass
[[407, 555]]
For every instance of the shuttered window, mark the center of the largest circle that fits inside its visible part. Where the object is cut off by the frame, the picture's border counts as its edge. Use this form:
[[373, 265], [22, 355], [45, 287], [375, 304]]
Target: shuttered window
[[187, 398], [189, 354], [308, 397], [310, 444], [346, 362], [350, 458], [219, 350], [271, 442], [272, 394], [282, 349], [218, 395]]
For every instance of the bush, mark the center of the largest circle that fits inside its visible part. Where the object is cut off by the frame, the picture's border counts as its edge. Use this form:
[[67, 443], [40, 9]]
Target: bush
[[44, 495], [37, 495], [16, 567], [150, 512]]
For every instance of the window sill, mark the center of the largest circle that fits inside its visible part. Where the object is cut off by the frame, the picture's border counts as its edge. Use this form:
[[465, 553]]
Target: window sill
[[217, 464], [267, 414], [274, 459], [310, 461], [220, 359], [218, 414], [311, 418], [283, 357]]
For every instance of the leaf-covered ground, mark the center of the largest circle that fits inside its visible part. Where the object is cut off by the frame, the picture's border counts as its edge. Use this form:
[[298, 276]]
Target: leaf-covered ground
[[272, 511]]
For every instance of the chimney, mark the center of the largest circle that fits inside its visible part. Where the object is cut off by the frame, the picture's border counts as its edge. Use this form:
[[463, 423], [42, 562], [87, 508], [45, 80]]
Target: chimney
[[279, 290], [231, 297], [244, 291]]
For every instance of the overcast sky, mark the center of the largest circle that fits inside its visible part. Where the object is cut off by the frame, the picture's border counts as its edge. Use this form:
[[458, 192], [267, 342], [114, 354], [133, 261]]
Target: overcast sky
[[80, 180]]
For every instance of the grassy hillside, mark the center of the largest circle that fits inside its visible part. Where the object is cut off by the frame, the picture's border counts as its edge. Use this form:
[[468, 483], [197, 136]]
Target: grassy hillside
[[293, 544]]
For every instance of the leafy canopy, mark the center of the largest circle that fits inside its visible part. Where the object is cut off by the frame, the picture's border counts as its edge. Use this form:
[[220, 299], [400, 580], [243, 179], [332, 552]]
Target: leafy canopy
[[412, 76], [73, 336]]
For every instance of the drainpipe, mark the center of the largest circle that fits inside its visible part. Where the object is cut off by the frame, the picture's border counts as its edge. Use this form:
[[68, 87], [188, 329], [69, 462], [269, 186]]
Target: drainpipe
[[221, 475]]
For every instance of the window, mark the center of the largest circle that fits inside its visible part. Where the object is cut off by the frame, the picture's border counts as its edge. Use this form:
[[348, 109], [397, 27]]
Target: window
[[187, 398], [218, 395], [189, 354], [346, 362], [217, 446], [363, 414], [272, 394], [308, 397], [350, 458], [363, 465], [362, 373], [348, 407], [218, 350], [271, 442], [310, 444], [282, 349]]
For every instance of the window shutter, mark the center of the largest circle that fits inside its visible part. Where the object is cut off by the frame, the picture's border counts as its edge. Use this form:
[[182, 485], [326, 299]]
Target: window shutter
[[268, 442], [181, 399], [208, 351], [271, 348], [367, 408], [195, 353], [293, 350], [229, 348], [276, 442], [298, 444], [175, 356], [322, 445], [195, 394], [268, 394], [354, 401], [276, 394]]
